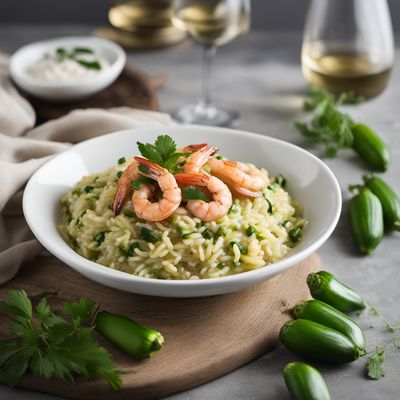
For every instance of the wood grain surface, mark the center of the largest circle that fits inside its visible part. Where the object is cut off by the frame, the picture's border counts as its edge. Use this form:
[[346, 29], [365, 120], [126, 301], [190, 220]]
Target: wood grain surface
[[204, 337], [132, 89]]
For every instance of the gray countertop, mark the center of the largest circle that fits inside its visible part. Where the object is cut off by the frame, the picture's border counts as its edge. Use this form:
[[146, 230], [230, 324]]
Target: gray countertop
[[260, 76]]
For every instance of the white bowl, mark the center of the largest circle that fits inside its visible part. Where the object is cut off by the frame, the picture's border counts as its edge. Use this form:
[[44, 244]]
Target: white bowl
[[310, 182], [30, 54]]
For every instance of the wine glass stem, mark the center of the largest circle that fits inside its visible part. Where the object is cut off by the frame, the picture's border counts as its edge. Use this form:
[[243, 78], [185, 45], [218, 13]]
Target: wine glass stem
[[208, 55]]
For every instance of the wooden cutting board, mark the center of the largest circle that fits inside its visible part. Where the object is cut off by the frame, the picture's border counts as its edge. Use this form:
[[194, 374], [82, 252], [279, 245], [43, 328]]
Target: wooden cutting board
[[204, 337]]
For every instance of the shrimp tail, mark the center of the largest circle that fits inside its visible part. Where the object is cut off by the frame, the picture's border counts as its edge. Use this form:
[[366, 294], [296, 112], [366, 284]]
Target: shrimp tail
[[245, 192], [149, 169], [119, 201], [196, 178], [191, 148]]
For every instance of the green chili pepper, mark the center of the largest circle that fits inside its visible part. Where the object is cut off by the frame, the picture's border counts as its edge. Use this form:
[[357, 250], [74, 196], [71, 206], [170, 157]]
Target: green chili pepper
[[129, 336], [389, 200], [324, 314], [366, 220], [305, 382], [319, 342], [325, 287]]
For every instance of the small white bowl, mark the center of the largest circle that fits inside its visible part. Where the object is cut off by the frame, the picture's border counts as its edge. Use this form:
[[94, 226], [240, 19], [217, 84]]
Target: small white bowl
[[30, 54], [310, 182]]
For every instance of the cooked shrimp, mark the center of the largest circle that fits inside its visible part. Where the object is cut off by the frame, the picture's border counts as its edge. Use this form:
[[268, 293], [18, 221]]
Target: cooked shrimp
[[191, 148], [163, 208], [238, 175], [222, 197], [200, 157], [124, 188]]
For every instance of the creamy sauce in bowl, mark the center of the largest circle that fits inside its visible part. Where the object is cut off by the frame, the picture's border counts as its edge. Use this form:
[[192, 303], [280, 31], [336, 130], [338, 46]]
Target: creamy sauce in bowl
[[65, 65]]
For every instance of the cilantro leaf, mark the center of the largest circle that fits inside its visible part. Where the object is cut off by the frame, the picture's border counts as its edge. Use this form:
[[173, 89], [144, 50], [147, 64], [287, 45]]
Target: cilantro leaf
[[51, 346], [193, 193], [90, 64], [375, 364], [18, 304], [166, 146], [328, 126], [148, 235], [163, 152], [150, 152]]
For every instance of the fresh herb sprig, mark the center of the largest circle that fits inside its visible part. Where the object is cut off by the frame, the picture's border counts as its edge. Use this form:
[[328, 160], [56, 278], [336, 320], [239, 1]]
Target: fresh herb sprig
[[375, 363], [193, 193], [163, 152], [51, 345], [76, 53], [328, 126]]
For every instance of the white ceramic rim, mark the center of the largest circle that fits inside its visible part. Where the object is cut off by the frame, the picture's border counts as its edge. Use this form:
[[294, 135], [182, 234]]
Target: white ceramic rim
[[21, 77], [105, 272]]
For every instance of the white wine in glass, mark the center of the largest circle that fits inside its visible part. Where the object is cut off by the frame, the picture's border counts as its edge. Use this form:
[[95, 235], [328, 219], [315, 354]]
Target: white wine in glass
[[348, 45], [211, 23]]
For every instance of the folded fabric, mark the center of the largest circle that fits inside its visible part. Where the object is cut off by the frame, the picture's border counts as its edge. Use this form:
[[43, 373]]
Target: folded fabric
[[24, 148]]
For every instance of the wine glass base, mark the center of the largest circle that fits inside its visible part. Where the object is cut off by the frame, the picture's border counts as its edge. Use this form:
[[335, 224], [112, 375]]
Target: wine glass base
[[206, 115]]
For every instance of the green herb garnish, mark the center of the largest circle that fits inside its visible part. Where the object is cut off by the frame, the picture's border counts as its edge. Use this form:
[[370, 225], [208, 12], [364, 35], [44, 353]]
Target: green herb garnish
[[75, 54], [280, 180], [222, 231], [119, 174], [193, 193], [51, 345], [163, 152], [329, 126], [99, 238], [121, 160], [90, 64], [375, 364], [233, 209], [79, 222], [242, 249], [129, 213], [130, 251], [250, 230], [221, 266], [87, 189], [148, 235], [295, 234], [83, 50], [207, 234]]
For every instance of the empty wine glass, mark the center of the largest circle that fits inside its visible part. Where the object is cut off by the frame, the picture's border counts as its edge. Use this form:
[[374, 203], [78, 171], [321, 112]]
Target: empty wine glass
[[348, 45], [211, 23]]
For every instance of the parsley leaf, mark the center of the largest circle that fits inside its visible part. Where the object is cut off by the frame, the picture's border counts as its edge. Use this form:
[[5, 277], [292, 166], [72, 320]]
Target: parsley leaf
[[90, 64], [163, 152], [329, 126], [50, 345], [295, 234], [137, 183], [207, 234], [193, 193], [375, 364], [148, 235], [242, 249]]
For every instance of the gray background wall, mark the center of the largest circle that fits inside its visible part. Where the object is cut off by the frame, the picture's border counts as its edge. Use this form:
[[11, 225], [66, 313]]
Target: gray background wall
[[267, 14]]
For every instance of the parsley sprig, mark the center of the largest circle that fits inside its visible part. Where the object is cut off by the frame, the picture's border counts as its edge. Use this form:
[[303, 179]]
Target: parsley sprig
[[375, 363], [75, 54], [163, 152], [328, 126], [51, 345]]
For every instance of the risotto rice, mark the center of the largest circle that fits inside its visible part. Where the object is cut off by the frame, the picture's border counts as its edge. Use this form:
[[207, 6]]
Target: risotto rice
[[255, 232]]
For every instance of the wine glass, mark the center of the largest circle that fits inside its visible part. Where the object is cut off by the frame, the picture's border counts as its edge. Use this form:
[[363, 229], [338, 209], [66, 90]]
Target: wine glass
[[211, 23], [348, 45]]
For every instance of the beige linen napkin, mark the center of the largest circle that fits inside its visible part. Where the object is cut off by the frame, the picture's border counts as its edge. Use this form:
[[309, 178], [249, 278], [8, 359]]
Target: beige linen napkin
[[23, 149]]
